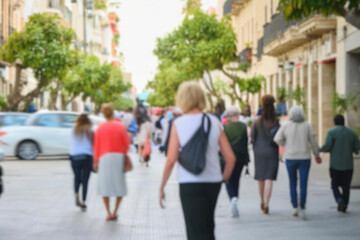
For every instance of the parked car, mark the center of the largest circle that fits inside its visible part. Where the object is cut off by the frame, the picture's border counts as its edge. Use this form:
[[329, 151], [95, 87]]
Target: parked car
[[44, 132], [13, 118]]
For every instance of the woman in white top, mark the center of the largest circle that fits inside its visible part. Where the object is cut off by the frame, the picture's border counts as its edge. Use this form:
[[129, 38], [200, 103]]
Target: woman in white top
[[81, 156], [198, 193], [144, 134]]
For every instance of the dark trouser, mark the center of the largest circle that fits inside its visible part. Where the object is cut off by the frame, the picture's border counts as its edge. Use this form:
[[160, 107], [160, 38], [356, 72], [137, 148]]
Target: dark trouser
[[341, 179], [82, 170], [292, 167], [198, 201], [232, 186]]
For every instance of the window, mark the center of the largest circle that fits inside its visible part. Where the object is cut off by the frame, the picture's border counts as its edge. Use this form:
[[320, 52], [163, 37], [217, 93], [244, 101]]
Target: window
[[68, 120], [48, 120], [271, 8], [14, 120]]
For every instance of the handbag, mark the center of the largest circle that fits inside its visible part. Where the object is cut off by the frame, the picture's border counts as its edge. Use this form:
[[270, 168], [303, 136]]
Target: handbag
[[192, 155], [271, 134], [147, 148], [128, 166]]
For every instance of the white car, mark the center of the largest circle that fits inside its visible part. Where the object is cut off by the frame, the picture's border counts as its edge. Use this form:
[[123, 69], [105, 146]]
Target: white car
[[45, 133]]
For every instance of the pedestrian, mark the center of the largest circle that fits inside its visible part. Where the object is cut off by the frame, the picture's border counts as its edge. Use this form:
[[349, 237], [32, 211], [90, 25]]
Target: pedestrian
[[296, 135], [164, 148], [246, 116], [81, 156], [341, 142], [219, 110], [265, 150], [111, 144], [236, 133], [144, 135], [198, 192]]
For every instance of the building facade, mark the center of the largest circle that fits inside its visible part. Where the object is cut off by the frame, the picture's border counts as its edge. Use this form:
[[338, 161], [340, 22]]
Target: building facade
[[11, 20], [306, 55]]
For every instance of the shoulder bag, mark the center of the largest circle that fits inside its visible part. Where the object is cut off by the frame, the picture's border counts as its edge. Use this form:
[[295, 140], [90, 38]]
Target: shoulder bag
[[270, 134], [192, 155]]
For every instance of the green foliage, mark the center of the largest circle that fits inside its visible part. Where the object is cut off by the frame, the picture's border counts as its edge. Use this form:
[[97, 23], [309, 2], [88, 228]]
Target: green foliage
[[297, 9], [342, 104], [43, 45], [100, 4], [3, 103], [87, 77], [123, 103], [191, 6], [200, 44], [157, 100], [111, 89], [116, 39], [281, 91], [298, 95], [251, 85]]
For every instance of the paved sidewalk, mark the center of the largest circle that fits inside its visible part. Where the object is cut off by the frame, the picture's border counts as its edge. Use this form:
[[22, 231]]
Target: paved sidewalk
[[39, 204]]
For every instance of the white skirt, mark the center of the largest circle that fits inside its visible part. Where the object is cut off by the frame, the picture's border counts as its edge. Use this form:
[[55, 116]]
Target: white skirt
[[111, 179]]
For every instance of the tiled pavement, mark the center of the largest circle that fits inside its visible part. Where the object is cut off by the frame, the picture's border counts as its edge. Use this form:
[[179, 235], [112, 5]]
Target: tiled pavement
[[38, 204]]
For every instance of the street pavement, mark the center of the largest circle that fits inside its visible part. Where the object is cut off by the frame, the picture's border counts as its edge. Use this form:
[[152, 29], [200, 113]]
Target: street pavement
[[38, 203]]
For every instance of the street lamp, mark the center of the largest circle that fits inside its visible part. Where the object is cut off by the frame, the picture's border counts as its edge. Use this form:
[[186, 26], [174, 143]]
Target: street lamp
[[87, 5]]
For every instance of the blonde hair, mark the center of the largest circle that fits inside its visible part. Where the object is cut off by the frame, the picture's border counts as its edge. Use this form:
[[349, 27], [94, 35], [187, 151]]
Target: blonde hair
[[190, 96], [107, 110]]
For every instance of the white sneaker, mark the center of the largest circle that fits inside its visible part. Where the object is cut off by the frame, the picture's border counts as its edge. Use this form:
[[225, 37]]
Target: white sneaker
[[234, 208], [302, 214], [296, 212]]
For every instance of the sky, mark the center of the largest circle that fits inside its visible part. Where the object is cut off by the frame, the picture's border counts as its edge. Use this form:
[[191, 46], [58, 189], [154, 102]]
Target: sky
[[141, 23]]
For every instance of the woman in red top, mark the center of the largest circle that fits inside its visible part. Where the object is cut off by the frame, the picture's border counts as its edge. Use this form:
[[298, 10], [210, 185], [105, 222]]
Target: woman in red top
[[111, 144]]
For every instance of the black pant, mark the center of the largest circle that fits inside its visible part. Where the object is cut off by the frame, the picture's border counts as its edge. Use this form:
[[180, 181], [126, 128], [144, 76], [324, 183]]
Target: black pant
[[82, 170], [198, 201], [341, 179], [232, 186]]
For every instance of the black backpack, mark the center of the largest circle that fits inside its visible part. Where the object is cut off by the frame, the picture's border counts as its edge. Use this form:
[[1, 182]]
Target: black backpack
[[193, 155], [158, 123]]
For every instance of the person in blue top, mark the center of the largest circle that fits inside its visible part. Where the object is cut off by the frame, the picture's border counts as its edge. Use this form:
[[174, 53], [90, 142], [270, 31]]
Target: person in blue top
[[341, 142]]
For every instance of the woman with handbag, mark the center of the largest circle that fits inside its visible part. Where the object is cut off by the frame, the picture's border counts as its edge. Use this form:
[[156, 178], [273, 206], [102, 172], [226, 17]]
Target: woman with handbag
[[200, 181], [144, 135], [296, 135], [266, 151], [81, 156], [111, 144]]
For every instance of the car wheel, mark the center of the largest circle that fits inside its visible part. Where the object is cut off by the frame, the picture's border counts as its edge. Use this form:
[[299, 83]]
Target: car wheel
[[27, 150]]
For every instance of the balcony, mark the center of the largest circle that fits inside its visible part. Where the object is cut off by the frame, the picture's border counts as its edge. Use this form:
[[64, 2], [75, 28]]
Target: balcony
[[57, 7], [281, 36], [260, 48], [234, 6]]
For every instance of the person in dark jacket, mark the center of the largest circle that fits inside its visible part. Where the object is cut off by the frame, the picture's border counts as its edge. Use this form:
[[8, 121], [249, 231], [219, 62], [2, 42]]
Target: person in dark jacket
[[237, 135], [341, 142]]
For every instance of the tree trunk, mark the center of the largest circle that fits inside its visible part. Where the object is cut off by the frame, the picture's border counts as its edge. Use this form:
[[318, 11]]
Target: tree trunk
[[14, 98], [54, 95], [210, 102], [30, 97], [352, 16]]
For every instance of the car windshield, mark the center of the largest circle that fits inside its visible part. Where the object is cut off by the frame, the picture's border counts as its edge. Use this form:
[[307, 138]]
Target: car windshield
[[13, 120]]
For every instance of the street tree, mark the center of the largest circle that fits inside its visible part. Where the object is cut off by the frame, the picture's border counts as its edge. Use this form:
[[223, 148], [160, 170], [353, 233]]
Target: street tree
[[111, 90], [200, 45], [297, 9], [44, 46], [85, 79]]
